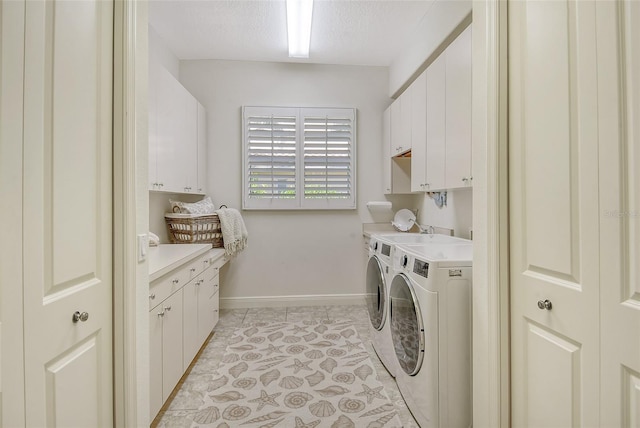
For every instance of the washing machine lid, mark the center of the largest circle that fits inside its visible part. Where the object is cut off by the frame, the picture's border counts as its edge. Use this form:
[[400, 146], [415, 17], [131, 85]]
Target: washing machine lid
[[407, 328], [376, 293], [449, 255]]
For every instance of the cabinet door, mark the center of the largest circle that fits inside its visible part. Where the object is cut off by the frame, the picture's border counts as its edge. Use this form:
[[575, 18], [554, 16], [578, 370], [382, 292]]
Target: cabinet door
[[189, 142], [155, 362], [419, 133], [172, 368], [207, 314], [202, 150], [153, 129], [405, 120], [458, 111], [396, 126], [436, 134], [190, 338], [169, 111], [386, 151]]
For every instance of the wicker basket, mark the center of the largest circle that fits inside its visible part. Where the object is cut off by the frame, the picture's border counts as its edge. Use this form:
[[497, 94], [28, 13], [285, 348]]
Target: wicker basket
[[194, 229]]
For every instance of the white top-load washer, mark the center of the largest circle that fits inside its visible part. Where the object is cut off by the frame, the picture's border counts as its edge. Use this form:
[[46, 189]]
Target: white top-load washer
[[430, 325], [378, 278]]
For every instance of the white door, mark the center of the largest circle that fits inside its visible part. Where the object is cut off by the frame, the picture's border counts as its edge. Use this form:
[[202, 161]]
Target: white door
[[554, 213], [619, 130], [67, 161]]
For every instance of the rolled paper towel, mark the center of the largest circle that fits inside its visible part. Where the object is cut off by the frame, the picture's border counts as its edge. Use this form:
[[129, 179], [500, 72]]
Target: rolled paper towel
[[379, 205]]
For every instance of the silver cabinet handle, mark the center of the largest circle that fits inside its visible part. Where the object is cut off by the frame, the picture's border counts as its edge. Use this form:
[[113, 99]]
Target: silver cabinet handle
[[206, 262], [152, 296], [160, 184], [199, 189], [175, 281], [545, 304], [80, 316], [167, 308], [161, 314], [215, 310], [192, 269]]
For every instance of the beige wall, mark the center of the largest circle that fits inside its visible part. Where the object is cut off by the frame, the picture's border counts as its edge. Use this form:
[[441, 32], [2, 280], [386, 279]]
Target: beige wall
[[302, 255]]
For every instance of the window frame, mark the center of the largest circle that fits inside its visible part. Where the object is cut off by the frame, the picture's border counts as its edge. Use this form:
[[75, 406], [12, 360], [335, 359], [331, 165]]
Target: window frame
[[299, 202]]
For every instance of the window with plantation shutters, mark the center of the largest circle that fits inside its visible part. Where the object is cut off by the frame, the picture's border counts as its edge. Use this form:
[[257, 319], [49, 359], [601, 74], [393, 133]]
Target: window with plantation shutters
[[298, 158]]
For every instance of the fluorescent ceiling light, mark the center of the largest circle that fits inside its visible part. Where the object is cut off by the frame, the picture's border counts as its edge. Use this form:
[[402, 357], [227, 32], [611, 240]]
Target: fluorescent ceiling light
[[299, 14]]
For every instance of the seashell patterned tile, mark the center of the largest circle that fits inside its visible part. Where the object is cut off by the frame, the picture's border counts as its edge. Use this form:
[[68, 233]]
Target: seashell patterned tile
[[202, 378]]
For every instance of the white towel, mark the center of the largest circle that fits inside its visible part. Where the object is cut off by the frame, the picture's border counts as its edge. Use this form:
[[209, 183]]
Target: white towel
[[234, 231]]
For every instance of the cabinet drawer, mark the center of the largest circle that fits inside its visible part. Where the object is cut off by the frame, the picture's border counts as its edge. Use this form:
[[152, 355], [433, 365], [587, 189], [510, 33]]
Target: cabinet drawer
[[211, 282], [195, 268], [170, 283], [164, 287]]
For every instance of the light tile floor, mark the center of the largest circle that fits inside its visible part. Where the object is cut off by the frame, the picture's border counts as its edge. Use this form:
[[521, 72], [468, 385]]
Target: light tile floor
[[189, 397]]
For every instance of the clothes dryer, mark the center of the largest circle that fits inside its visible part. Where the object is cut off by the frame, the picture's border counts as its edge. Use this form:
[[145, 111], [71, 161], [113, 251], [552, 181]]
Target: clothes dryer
[[379, 274], [430, 326]]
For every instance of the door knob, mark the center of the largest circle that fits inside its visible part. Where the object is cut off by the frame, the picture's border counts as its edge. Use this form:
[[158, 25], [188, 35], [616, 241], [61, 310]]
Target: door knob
[[80, 316], [544, 304]]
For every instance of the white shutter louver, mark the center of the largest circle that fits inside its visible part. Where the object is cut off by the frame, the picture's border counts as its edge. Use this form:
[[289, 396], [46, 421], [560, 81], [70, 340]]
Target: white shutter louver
[[298, 158], [271, 156], [327, 157]]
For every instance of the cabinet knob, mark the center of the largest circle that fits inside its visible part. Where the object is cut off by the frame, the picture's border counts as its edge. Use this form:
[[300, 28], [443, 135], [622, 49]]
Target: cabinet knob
[[160, 184], [215, 310], [80, 316], [199, 189], [175, 281], [192, 269], [152, 296], [206, 262], [167, 308], [160, 314]]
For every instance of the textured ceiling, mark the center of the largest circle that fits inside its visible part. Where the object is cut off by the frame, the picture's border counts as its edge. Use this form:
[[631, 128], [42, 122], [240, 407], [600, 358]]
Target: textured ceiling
[[356, 32]]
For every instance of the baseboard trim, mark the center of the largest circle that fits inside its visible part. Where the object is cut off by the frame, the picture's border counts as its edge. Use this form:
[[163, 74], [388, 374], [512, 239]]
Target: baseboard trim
[[300, 300]]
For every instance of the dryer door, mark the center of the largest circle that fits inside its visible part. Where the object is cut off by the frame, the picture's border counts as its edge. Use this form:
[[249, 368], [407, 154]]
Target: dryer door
[[407, 328], [376, 293]]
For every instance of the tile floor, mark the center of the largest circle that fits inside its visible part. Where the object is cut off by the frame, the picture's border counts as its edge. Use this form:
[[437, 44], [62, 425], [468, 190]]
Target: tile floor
[[189, 396]]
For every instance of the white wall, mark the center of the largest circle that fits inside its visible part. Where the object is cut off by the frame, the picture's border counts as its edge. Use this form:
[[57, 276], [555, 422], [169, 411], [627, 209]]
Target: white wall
[[290, 253], [444, 21], [160, 55], [456, 215]]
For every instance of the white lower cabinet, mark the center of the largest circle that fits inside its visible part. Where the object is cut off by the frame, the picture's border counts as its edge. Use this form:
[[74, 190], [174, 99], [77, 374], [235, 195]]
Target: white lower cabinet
[[184, 310], [171, 334], [155, 362]]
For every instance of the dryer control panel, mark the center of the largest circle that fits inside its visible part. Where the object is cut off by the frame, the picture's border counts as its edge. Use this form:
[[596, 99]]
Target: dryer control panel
[[421, 268]]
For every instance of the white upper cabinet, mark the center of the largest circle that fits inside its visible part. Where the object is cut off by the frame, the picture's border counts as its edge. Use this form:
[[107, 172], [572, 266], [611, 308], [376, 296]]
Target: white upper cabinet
[[396, 171], [174, 136], [436, 132], [401, 124], [458, 111], [202, 149], [418, 92], [386, 151], [438, 121]]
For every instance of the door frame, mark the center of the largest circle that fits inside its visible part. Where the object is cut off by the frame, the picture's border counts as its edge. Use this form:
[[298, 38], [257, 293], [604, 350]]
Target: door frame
[[491, 356], [131, 205], [129, 402]]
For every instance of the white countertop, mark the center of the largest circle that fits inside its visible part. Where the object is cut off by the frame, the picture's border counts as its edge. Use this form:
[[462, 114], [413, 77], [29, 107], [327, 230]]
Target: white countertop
[[369, 229], [165, 258]]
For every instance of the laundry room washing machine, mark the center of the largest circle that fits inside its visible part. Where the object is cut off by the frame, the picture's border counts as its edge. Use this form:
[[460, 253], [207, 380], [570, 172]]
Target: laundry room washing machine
[[430, 325], [378, 278]]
